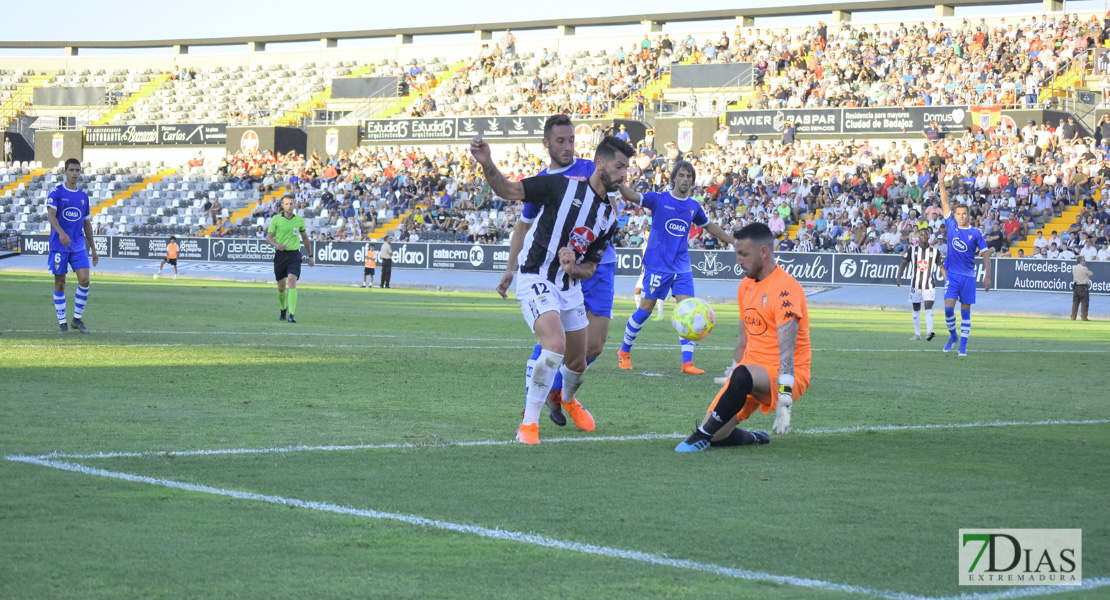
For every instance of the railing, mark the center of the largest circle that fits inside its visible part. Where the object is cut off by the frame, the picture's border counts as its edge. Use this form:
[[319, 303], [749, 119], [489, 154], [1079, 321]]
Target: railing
[[722, 96]]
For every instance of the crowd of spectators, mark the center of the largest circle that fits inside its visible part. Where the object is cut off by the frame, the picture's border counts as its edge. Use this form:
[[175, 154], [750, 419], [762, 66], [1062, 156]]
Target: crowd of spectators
[[847, 65], [864, 197], [546, 83], [842, 196]]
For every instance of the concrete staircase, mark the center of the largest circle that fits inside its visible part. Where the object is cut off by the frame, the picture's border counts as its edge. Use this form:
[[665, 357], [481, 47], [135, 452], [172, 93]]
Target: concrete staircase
[[1060, 223], [318, 100], [384, 228], [651, 91], [126, 104], [20, 98], [131, 191], [244, 212], [14, 186], [403, 104]]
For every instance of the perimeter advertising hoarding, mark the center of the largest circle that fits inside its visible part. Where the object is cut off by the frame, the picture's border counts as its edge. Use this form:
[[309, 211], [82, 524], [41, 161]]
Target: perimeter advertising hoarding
[[173, 134], [1018, 274], [909, 120], [463, 129]]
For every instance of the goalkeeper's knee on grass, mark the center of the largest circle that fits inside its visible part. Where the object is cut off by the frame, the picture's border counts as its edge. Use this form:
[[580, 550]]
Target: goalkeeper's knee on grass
[[731, 400]]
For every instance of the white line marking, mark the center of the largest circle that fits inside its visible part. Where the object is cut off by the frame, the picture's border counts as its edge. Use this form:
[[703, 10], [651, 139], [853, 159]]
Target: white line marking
[[279, 334], [548, 542], [612, 438], [854, 429]]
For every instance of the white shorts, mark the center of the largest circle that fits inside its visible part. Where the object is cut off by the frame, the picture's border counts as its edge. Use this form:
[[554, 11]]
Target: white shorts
[[537, 295], [918, 296]]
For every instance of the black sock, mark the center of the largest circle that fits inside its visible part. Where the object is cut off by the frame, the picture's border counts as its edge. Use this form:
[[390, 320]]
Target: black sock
[[738, 437], [731, 401]]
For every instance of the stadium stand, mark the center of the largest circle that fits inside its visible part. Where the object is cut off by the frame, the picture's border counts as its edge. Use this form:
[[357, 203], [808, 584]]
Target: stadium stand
[[832, 195]]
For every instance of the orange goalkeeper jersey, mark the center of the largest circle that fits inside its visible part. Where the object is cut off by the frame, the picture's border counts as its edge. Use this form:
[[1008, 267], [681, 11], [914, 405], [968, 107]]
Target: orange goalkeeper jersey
[[764, 306]]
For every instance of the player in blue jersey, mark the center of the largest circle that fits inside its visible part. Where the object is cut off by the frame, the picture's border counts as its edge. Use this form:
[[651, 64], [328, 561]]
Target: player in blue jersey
[[964, 242], [597, 291], [667, 257], [67, 209]]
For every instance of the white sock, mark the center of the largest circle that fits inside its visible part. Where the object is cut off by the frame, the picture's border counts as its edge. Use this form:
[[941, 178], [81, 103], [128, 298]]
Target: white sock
[[929, 320], [917, 322], [543, 375], [572, 380], [659, 307]]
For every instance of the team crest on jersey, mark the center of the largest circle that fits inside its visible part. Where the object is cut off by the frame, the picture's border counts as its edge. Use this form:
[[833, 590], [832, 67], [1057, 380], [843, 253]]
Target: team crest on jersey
[[764, 303], [581, 238]]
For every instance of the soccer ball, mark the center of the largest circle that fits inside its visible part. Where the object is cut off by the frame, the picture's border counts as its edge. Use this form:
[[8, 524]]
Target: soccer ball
[[693, 319]]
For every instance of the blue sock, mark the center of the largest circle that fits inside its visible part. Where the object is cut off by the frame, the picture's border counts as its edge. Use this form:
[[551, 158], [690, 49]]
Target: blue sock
[[60, 306], [687, 351], [965, 328], [632, 329], [557, 385], [531, 363], [950, 321]]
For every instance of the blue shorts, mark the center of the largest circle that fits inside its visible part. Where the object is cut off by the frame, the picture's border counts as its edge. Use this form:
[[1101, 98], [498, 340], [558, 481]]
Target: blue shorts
[[59, 262], [657, 284], [960, 287], [597, 291]]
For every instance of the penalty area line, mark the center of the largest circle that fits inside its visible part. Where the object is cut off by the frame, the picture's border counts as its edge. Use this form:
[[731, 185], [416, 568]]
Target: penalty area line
[[559, 440], [553, 543]]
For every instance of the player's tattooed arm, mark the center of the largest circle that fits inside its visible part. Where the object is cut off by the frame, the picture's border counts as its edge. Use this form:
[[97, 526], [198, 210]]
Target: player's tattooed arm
[[509, 190], [788, 340]]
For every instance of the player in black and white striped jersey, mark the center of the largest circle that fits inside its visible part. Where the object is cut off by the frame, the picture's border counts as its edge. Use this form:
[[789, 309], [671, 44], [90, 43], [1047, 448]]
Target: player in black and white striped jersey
[[564, 228], [921, 261]]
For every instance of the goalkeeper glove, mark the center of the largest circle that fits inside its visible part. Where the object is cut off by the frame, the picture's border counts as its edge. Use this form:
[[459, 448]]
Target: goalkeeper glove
[[782, 410]]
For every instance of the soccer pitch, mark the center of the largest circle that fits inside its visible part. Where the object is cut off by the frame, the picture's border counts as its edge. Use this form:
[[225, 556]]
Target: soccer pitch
[[194, 446]]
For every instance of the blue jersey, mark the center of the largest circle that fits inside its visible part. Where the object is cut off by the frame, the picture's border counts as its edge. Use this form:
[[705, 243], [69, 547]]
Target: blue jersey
[[581, 167], [668, 246], [963, 245], [73, 211]]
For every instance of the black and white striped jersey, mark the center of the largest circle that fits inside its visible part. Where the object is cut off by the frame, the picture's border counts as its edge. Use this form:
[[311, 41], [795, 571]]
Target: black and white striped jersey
[[923, 263], [564, 211]]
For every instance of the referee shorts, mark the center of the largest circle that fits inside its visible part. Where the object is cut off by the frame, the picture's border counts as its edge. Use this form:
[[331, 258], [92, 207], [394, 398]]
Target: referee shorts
[[286, 263]]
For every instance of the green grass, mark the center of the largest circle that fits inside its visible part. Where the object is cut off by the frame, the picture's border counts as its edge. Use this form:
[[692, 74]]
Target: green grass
[[178, 366]]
